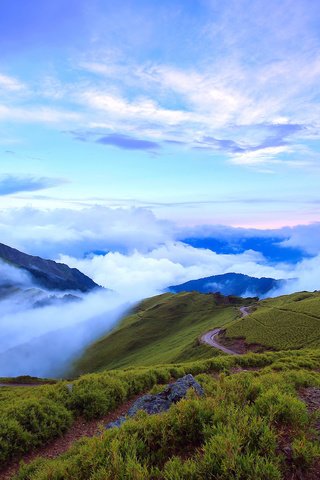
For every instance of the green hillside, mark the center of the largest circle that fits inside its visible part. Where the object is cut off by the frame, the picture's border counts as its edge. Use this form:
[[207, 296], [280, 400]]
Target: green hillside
[[282, 323], [161, 329]]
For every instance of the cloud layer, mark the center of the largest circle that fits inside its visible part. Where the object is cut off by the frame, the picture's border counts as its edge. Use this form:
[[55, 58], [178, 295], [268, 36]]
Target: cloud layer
[[135, 255]]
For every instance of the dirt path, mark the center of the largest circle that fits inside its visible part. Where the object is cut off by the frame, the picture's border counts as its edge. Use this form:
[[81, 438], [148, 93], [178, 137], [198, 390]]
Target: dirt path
[[210, 337], [79, 429], [244, 311]]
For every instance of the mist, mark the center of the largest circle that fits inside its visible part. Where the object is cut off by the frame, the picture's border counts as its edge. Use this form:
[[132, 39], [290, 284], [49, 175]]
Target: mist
[[42, 331]]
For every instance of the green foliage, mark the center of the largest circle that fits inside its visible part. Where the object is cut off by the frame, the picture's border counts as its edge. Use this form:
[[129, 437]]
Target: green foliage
[[94, 397], [282, 408], [232, 433], [28, 422], [304, 452]]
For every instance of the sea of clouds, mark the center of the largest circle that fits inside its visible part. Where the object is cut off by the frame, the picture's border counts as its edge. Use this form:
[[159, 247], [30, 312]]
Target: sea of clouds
[[134, 255]]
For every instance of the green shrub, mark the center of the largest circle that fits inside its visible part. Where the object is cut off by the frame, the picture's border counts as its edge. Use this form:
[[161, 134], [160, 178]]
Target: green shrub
[[282, 408], [14, 440], [304, 452], [94, 398]]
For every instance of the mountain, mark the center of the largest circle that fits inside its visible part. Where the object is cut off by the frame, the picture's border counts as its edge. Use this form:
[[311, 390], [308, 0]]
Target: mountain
[[230, 284], [47, 273], [164, 328]]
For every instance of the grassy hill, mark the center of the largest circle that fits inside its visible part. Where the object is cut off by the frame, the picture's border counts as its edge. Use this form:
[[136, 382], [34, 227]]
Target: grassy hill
[[161, 329], [282, 323]]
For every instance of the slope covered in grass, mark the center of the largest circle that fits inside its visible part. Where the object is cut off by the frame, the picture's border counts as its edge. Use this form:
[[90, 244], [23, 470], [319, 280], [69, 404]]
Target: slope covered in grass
[[252, 415], [161, 329], [286, 322]]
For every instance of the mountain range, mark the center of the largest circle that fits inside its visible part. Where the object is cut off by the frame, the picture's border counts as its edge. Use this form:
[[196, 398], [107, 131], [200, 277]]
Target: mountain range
[[230, 284], [46, 273]]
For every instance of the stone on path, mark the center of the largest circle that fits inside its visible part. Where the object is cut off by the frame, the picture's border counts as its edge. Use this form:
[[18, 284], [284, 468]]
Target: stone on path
[[161, 402]]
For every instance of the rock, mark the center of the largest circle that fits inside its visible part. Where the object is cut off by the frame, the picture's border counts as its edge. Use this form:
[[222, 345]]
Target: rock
[[69, 387], [161, 402], [178, 390], [117, 423]]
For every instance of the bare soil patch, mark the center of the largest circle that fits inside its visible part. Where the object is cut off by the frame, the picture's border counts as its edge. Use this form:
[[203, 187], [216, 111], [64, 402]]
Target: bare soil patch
[[239, 344]]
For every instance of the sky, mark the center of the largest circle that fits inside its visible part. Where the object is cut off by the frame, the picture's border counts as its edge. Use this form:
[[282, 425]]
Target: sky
[[148, 143], [200, 112]]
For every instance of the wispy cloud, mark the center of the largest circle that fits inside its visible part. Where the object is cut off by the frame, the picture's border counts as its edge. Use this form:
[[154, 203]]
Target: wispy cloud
[[10, 84], [13, 184], [250, 88], [40, 114], [118, 140], [127, 142]]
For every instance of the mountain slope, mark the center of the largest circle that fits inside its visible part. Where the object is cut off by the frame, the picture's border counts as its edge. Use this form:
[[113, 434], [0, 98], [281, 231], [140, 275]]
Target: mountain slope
[[161, 329], [286, 322], [230, 284], [47, 273]]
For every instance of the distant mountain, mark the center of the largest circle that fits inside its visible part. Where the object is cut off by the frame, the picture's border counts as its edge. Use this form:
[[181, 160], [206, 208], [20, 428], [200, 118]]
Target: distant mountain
[[230, 284], [19, 297], [47, 273]]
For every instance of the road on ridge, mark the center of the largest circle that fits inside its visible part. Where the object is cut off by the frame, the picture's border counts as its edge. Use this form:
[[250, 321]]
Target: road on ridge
[[210, 337]]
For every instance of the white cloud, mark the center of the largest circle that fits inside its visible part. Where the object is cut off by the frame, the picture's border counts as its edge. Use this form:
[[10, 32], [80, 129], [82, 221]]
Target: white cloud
[[39, 114], [260, 156], [10, 84], [173, 263], [306, 277], [55, 231], [140, 109], [303, 236]]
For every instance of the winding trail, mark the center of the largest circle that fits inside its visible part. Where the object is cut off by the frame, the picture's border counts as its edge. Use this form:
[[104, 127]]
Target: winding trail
[[209, 337]]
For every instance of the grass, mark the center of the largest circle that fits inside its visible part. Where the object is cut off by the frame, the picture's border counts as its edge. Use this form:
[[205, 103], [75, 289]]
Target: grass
[[161, 329], [282, 323], [234, 432]]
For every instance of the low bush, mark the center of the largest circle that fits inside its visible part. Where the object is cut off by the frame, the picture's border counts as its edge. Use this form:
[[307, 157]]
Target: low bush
[[265, 398]]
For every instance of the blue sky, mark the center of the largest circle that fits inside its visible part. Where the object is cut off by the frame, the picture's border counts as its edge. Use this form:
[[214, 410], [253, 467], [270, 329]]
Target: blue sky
[[205, 112]]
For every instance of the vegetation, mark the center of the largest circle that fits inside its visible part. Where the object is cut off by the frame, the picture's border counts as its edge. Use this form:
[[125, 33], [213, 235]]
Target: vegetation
[[235, 432], [162, 329], [26, 380], [282, 323]]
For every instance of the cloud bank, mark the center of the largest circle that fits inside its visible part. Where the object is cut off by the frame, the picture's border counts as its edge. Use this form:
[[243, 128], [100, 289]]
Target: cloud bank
[[135, 255], [42, 338]]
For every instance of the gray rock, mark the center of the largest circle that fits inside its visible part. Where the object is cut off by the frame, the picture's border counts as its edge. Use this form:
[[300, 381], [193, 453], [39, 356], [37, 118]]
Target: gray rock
[[161, 402], [69, 387]]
